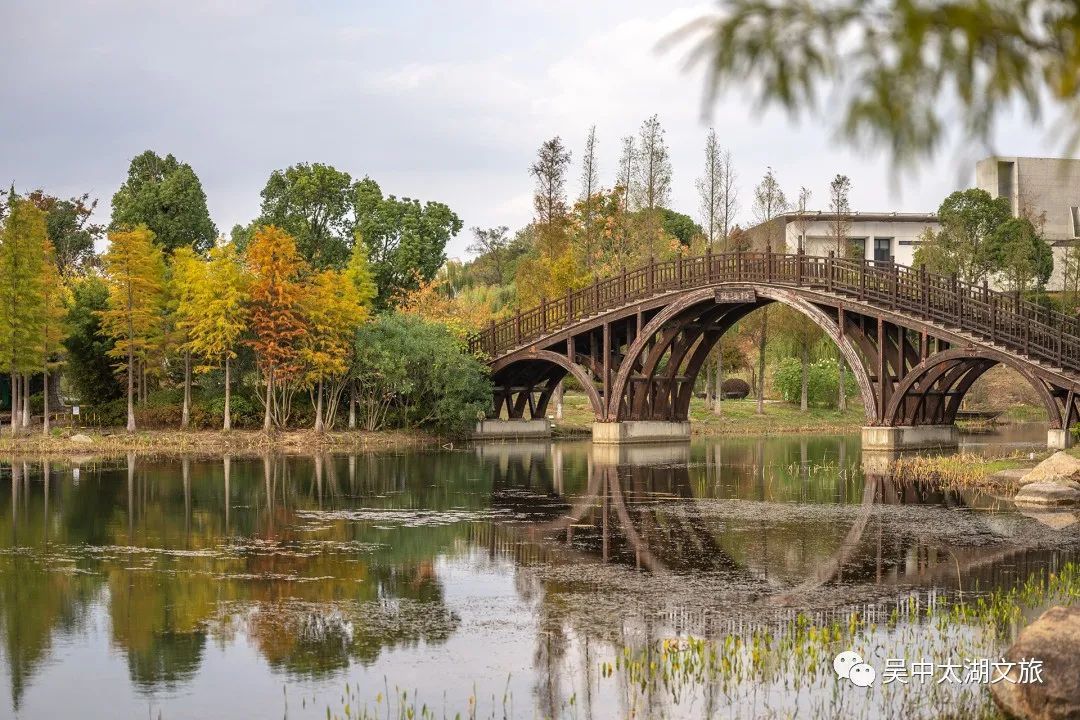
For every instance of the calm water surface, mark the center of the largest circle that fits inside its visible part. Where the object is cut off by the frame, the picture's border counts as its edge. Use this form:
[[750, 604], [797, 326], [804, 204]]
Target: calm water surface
[[261, 587]]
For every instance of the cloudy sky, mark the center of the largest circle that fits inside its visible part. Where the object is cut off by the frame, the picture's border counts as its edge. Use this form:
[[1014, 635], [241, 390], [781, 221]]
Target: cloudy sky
[[436, 100]]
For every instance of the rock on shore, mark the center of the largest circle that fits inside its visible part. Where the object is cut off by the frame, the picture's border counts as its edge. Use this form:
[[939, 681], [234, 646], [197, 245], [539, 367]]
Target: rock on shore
[[1054, 638], [1054, 481]]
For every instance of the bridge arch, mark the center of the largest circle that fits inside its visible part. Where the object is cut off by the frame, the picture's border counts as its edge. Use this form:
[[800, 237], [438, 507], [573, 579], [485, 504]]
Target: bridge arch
[[936, 386], [519, 377], [703, 319]]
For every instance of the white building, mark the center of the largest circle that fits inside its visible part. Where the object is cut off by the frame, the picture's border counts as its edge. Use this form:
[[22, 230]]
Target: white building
[[1045, 190], [884, 237]]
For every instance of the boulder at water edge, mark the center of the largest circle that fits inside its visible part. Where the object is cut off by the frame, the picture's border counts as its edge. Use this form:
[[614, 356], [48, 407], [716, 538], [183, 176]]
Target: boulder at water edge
[[1059, 467], [1049, 493], [81, 439], [1055, 640]]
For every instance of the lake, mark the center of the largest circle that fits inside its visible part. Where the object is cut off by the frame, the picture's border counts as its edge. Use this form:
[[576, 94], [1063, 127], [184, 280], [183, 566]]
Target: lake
[[559, 579]]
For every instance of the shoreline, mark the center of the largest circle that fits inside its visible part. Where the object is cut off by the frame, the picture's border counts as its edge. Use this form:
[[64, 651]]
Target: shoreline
[[216, 442]]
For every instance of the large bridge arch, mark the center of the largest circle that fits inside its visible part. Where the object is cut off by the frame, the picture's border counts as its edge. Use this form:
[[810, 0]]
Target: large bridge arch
[[519, 379], [703, 316]]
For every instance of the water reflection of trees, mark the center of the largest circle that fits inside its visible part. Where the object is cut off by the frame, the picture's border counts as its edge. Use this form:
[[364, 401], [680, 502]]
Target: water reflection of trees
[[180, 553]]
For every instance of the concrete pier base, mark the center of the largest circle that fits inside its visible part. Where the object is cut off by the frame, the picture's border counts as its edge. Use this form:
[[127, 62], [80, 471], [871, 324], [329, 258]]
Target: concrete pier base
[[917, 437], [512, 429], [1057, 439], [640, 431]]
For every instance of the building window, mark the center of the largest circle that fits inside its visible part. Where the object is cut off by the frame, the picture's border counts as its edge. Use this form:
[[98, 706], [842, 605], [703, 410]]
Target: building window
[[883, 249], [857, 248], [1076, 221]]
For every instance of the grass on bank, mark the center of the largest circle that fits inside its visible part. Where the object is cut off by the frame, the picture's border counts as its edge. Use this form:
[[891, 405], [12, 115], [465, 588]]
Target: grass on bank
[[62, 441], [737, 417]]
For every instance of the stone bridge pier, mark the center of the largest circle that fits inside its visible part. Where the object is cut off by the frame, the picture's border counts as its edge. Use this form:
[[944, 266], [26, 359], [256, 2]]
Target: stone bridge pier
[[915, 343]]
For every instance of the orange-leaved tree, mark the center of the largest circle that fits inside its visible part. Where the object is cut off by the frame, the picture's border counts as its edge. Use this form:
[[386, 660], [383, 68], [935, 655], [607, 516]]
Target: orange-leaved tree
[[277, 322], [135, 275]]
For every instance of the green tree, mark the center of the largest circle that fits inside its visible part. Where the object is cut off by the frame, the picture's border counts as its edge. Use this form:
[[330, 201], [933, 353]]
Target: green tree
[[679, 226], [88, 347], [406, 240], [1019, 256], [968, 219], [769, 201], [313, 203], [135, 274], [415, 373], [22, 247], [903, 73], [69, 228], [166, 196]]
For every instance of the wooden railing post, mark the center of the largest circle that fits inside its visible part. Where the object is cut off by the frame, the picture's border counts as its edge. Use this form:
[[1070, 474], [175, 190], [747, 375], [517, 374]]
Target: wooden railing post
[[708, 265], [596, 292], [652, 274], [517, 327], [993, 318], [768, 262], [800, 261], [954, 304], [738, 264], [543, 315], [625, 289], [924, 290], [569, 307], [829, 270], [894, 280], [492, 349]]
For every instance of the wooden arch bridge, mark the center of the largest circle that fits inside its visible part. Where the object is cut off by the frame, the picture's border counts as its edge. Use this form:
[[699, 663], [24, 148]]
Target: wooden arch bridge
[[915, 341]]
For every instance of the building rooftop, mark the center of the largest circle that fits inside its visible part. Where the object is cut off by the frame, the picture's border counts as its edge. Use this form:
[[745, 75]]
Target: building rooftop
[[855, 216]]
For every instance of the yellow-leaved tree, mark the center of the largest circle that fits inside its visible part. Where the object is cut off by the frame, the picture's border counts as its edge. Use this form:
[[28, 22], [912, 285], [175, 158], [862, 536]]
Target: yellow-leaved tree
[[135, 274], [221, 297], [333, 313], [363, 280], [55, 301], [185, 273]]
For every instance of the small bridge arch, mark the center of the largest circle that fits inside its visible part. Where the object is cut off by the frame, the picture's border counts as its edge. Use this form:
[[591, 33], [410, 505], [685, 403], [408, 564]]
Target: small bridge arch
[[916, 342]]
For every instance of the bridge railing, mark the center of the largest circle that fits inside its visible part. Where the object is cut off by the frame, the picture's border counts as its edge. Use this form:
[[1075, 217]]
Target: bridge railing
[[1003, 318]]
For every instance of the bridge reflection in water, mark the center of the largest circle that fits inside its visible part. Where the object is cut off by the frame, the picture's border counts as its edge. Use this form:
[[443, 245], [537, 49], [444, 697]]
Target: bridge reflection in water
[[785, 529]]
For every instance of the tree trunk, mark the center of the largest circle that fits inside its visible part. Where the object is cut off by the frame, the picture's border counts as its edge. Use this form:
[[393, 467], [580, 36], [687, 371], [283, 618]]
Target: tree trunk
[[352, 405], [269, 399], [804, 391], [14, 404], [761, 361], [708, 383], [227, 424], [130, 392], [719, 396], [45, 394], [26, 401], [558, 400], [841, 398], [319, 426], [185, 414]]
